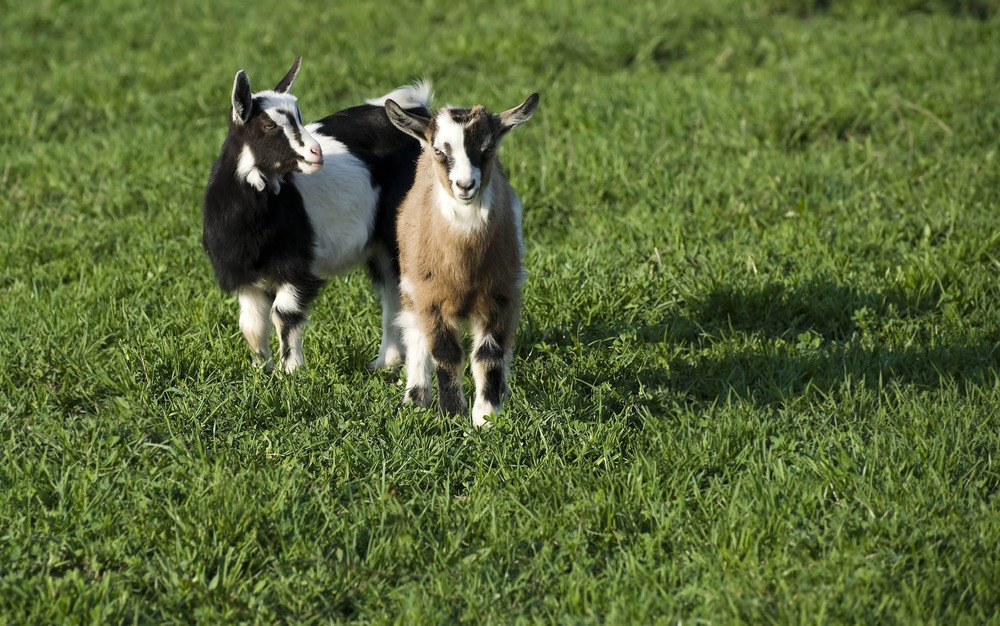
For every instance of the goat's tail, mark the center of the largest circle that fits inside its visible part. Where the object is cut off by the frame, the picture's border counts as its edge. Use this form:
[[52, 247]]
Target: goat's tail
[[415, 96]]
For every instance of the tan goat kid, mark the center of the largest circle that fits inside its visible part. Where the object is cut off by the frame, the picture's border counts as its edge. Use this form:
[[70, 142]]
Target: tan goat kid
[[460, 251]]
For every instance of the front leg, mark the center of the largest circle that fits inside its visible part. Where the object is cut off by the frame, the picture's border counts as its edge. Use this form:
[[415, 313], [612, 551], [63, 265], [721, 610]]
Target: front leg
[[492, 352], [255, 324], [418, 359], [289, 316], [449, 365]]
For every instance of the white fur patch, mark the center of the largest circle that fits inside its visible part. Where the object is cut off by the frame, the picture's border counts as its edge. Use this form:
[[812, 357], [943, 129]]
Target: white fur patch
[[341, 204], [287, 300], [450, 139], [246, 170], [274, 100], [467, 218], [480, 411], [414, 96], [418, 354], [406, 286], [255, 305]]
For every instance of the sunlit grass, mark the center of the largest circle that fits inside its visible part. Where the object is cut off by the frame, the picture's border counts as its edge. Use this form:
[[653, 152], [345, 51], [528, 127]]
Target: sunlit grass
[[756, 372]]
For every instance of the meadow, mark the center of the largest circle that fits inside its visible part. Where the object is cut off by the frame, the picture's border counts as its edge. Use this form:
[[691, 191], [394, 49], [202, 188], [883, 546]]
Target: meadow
[[756, 375]]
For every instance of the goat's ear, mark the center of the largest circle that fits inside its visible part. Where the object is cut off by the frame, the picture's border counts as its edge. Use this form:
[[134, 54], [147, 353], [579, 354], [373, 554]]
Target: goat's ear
[[520, 114], [242, 98], [410, 123], [286, 83]]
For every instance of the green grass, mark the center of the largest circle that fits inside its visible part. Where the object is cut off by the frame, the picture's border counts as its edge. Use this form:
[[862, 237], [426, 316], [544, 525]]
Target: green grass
[[756, 378]]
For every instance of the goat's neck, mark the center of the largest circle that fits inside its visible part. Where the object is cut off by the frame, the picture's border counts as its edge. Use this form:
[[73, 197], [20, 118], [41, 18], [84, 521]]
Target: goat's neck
[[471, 218], [242, 166], [248, 173]]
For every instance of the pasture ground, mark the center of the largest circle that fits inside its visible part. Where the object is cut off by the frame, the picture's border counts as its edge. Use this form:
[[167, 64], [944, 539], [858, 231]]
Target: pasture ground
[[756, 378]]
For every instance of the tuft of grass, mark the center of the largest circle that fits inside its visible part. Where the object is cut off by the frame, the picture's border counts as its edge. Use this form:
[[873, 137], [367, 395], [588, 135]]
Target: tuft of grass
[[756, 376]]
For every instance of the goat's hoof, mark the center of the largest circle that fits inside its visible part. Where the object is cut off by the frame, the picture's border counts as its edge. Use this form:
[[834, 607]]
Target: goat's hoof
[[384, 364], [481, 411], [388, 359], [481, 422], [452, 406], [420, 396], [264, 363]]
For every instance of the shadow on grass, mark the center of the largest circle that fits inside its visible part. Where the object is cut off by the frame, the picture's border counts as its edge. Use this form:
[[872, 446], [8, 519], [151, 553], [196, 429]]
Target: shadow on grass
[[772, 310], [771, 343], [777, 374]]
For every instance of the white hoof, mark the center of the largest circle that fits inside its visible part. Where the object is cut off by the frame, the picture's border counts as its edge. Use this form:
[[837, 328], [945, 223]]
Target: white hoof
[[480, 412], [387, 359]]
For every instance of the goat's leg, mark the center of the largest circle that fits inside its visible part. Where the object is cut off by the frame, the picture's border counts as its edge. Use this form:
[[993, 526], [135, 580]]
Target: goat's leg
[[255, 303], [289, 315], [418, 360], [392, 350], [492, 352], [449, 365]]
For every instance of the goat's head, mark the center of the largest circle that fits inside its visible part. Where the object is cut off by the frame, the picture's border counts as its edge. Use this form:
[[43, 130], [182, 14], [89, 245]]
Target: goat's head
[[462, 142], [269, 127]]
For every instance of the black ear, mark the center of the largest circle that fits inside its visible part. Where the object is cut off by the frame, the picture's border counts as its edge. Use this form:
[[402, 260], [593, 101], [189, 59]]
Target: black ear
[[286, 83], [242, 98], [520, 114], [410, 123]]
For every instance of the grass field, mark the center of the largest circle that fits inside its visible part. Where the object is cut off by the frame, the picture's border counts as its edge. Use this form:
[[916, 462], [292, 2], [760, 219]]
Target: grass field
[[756, 378]]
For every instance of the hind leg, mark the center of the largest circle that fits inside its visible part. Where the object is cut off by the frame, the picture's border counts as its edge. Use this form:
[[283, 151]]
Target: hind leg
[[392, 349], [255, 303]]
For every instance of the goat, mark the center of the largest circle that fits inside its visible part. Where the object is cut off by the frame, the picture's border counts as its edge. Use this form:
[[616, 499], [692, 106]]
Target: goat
[[289, 206], [461, 252]]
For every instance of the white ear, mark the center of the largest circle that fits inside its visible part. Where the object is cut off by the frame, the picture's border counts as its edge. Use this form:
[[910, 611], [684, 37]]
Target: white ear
[[242, 98]]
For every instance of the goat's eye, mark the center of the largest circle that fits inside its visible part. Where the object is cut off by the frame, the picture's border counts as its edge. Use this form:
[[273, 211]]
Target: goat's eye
[[268, 124], [438, 153]]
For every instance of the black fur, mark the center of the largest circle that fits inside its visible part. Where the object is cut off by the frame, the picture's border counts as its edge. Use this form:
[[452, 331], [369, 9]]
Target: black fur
[[251, 235], [489, 351], [493, 390], [451, 397], [265, 238]]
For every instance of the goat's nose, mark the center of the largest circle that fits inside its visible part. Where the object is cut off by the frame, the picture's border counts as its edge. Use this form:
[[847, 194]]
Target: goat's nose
[[465, 185], [316, 150]]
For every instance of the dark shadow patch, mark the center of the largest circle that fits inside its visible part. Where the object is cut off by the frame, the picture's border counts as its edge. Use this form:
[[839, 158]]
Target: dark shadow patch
[[820, 336], [833, 311]]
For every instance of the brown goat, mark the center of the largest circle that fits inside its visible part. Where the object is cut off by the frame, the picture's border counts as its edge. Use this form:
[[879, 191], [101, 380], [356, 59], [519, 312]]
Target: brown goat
[[460, 251]]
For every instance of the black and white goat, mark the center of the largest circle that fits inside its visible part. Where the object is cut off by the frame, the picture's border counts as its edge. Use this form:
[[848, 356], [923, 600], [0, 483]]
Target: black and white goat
[[290, 205], [460, 256]]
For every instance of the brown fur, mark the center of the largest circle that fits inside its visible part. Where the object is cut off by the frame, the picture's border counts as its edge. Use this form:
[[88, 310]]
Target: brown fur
[[463, 267], [456, 275]]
